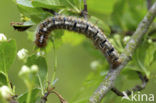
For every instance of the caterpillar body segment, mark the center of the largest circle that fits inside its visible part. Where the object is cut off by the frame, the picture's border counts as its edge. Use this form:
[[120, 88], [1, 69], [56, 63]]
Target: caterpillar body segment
[[81, 26]]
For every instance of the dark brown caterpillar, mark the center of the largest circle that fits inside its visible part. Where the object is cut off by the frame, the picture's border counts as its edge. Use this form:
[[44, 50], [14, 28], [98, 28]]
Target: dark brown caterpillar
[[80, 26]]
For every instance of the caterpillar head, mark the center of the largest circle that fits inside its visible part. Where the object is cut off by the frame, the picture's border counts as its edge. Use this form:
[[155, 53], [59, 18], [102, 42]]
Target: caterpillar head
[[41, 41]]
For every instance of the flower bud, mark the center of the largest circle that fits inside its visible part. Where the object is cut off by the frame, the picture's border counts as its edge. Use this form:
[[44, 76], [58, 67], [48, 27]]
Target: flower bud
[[2, 37], [24, 70], [6, 92], [34, 68], [40, 53], [22, 54], [126, 39], [94, 64], [149, 41]]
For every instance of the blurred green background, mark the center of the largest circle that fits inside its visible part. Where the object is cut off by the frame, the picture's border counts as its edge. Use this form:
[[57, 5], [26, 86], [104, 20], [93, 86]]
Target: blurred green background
[[74, 61]]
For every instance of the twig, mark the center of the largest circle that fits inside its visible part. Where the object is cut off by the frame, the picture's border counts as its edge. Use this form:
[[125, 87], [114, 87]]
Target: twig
[[50, 11], [108, 82], [44, 98], [13, 99], [62, 100], [49, 90], [84, 12], [144, 81], [149, 4]]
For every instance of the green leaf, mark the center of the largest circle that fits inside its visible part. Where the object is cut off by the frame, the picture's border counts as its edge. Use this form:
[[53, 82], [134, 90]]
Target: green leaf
[[50, 4], [101, 24], [7, 54], [149, 58], [3, 79], [72, 38], [22, 26], [130, 74], [41, 63], [31, 35], [73, 4], [124, 14], [91, 82], [36, 14], [22, 98]]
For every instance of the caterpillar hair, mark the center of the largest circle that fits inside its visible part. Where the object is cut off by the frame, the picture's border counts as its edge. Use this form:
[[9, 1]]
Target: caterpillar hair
[[81, 26]]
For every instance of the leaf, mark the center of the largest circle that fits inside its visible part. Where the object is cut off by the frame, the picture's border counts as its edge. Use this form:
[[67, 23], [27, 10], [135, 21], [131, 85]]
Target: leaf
[[36, 14], [124, 14], [3, 79], [149, 57], [22, 98], [101, 24], [72, 38], [22, 26], [73, 4], [91, 82], [7, 55], [51, 4], [130, 74], [41, 63], [31, 35]]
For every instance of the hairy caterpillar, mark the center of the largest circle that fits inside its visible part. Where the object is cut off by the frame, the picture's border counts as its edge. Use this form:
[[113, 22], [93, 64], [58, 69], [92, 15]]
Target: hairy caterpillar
[[80, 26]]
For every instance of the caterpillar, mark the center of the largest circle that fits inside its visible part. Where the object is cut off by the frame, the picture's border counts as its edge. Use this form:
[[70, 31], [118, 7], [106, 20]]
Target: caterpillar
[[81, 26]]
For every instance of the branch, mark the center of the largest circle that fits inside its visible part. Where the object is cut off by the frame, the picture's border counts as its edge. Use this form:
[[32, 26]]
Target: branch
[[49, 91], [149, 4], [13, 99], [84, 12], [108, 82], [44, 98], [144, 81]]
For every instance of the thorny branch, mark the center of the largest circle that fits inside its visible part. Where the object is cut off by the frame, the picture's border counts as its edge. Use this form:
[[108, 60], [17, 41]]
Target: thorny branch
[[108, 82]]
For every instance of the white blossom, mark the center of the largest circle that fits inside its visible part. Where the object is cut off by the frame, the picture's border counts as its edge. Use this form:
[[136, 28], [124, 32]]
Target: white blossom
[[6, 92], [149, 41], [22, 54], [94, 64], [40, 53], [34, 68], [2, 37], [24, 70], [126, 39]]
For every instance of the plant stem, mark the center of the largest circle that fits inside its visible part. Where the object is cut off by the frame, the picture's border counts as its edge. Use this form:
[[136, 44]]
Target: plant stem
[[55, 63], [29, 95]]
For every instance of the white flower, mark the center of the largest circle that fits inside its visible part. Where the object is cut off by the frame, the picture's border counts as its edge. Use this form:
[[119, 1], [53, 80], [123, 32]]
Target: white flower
[[6, 92], [149, 41], [94, 64], [126, 39], [34, 68], [2, 37], [40, 53], [22, 54], [24, 70]]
